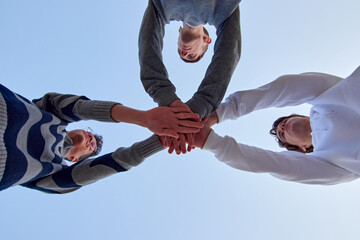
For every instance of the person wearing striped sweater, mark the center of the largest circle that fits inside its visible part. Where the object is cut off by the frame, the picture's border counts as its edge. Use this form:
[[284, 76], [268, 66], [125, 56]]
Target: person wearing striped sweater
[[34, 143]]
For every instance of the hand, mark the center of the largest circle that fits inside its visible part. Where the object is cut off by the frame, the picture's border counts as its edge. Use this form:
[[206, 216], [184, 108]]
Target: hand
[[179, 103], [170, 121], [212, 119], [202, 136], [179, 145]]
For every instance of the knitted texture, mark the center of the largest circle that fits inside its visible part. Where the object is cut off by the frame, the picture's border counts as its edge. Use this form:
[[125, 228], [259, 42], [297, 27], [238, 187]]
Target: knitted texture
[[32, 137], [3, 124]]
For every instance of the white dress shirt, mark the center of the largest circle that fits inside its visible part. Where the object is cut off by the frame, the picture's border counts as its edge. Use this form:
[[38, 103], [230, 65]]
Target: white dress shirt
[[335, 124]]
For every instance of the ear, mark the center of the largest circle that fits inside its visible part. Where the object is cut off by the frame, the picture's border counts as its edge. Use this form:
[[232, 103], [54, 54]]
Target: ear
[[180, 29], [207, 39]]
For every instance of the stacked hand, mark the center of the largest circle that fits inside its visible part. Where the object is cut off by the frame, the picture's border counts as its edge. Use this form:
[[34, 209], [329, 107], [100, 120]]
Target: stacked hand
[[172, 121], [194, 139]]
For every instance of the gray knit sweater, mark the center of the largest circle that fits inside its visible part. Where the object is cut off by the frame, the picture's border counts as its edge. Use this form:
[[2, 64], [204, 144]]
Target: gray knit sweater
[[32, 137], [227, 49]]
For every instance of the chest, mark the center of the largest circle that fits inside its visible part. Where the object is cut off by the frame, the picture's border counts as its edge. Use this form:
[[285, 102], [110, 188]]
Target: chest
[[335, 128]]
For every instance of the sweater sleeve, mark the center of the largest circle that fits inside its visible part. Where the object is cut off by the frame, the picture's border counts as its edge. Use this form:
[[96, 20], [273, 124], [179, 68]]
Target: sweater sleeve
[[226, 56], [287, 90], [91, 170], [153, 72], [287, 165], [71, 108]]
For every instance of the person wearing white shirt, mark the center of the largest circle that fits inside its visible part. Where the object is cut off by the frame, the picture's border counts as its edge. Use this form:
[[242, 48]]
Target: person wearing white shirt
[[332, 128]]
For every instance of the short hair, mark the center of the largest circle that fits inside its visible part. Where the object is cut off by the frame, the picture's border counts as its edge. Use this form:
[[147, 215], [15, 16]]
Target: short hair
[[200, 57], [99, 143], [286, 145]]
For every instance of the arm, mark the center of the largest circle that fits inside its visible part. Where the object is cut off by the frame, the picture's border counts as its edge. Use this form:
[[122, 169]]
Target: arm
[[287, 90], [227, 51], [288, 165], [153, 72], [91, 170], [162, 120], [167, 121]]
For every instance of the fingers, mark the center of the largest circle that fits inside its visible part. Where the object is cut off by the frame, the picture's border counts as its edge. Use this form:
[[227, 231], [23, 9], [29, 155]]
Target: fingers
[[176, 144], [192, 124], [179, 109], [187, 130], [166, 141], [189, 148], [182, 144], [190, 139], [187, 115], [168, 132], [171, 149]]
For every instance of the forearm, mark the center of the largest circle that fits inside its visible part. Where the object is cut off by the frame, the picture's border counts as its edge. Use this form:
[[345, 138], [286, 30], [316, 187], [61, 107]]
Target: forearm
[[125, 114], [153, 72], [227, 52]]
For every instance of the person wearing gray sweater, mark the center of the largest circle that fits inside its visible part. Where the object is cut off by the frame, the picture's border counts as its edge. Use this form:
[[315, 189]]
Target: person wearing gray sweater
[[224, 15], [34, 144]]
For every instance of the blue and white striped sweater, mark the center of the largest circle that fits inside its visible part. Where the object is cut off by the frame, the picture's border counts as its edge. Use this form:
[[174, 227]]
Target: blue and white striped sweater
[[32, 136]]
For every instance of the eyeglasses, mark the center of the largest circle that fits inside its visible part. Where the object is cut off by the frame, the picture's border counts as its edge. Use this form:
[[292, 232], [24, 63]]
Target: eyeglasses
[[93, 144]]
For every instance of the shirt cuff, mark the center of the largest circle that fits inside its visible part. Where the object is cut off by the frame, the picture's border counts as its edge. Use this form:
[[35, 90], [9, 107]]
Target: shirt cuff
[[212, 142], [220, 113]]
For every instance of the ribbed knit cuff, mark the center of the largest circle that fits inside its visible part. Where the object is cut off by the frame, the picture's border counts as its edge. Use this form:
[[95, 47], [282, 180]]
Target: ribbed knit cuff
[[198, 105], [95, 110], [212, 142], [149, 146], [165, 97], [136, 154], [3, 124], [220, 111]]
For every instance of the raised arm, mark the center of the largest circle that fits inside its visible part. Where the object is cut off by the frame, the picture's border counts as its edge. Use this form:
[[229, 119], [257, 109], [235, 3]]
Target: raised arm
[[153, 72], [288, 165], [287, 90], [161, 120], [227, 51], [91, 170]]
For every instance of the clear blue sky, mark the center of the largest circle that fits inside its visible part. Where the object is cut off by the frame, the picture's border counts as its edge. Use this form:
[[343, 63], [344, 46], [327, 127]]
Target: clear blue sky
[[90, 47]]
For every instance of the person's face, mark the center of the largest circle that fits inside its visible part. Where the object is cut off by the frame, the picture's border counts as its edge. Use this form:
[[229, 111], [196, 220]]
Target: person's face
[[295, 131], [191, 47], [84, 144]]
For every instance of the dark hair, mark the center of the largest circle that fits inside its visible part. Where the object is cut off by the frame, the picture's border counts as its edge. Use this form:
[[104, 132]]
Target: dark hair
[[286, 145], [99, 143], [205, 49]]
